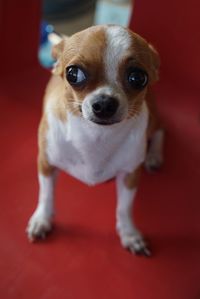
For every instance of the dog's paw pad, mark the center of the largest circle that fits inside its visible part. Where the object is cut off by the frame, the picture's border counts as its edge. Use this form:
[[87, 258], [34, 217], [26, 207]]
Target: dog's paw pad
[[38, 227], [136, 244]]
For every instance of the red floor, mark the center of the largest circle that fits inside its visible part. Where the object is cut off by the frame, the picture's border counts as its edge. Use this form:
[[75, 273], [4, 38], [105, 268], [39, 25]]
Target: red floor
[[82, 258]]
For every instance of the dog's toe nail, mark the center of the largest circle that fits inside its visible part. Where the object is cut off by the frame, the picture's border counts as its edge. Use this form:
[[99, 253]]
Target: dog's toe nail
[[146, 252], [31, 238], [143, 252]]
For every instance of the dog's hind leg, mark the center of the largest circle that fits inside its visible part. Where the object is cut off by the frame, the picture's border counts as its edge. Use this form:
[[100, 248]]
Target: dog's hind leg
[[154, 156], [155, 136]]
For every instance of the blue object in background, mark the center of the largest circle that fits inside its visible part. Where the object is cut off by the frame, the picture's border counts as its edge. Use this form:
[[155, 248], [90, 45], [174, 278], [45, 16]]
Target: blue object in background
[[45, 48], [113, 12]]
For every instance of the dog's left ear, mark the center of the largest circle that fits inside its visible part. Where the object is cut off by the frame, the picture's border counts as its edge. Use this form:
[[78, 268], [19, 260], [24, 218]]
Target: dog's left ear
[[155, 63], [57, 50], [57, 53]]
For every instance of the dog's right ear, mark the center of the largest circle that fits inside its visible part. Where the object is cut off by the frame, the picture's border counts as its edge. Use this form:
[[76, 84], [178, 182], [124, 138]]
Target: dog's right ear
[[155, 62], [58, 46]]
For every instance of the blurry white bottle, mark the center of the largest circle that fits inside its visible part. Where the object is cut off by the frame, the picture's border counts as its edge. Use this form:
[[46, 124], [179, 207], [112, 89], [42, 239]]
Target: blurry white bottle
[[113, 12]]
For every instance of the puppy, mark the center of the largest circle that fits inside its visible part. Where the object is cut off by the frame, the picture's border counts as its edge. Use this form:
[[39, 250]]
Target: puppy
[[97, 119]]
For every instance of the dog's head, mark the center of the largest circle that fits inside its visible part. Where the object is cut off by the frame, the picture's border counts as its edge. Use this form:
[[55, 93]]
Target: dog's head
[[106, 70]]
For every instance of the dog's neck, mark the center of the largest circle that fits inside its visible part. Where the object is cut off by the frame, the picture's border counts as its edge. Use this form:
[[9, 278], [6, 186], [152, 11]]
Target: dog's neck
[[95, 153], [93, 131]]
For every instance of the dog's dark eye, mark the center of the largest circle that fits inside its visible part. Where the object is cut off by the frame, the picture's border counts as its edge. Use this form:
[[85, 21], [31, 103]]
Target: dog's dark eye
[[75, 75], [137, 78]]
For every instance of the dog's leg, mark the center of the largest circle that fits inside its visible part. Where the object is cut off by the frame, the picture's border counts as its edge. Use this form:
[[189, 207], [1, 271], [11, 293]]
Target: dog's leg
[[129, 235], [154, 157], [41, 221]]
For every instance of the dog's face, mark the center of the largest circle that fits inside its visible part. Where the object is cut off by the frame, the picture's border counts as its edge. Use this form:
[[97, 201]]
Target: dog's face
[[106, 70]]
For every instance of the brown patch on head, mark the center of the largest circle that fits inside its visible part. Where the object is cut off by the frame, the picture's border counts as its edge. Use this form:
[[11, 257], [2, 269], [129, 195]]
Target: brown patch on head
[[84, 49], [135, 97], [143, 56]]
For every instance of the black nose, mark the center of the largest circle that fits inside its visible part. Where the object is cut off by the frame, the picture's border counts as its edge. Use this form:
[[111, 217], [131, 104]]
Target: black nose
[[105, 106]]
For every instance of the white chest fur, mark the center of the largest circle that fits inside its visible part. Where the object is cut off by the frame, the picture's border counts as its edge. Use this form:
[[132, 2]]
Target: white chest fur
[[94, 153]]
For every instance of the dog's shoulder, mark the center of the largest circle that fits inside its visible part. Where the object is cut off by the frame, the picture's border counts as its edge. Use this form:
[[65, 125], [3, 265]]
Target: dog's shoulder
[[55, 98]]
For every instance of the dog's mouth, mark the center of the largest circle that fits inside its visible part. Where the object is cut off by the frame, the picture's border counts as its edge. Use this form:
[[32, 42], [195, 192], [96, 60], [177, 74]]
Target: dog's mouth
[[102, 122]]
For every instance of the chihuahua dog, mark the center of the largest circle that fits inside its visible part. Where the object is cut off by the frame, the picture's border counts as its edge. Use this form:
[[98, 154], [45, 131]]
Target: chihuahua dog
[[98, 117]]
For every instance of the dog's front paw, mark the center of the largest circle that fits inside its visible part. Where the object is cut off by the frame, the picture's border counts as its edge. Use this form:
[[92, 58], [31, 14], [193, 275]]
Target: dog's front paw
[[38, 226], [135, 243]]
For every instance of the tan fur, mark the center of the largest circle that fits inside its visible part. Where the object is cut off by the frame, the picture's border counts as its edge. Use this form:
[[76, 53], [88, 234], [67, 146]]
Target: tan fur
[[58, 94], [132, 179], [55, 92], [154, 121], [75, 51], [43, 165], [146, 55]]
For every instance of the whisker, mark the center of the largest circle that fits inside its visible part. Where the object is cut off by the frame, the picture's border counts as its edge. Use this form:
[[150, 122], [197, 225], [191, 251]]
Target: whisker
[[133, 112], [73, 101], [73, 109]]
